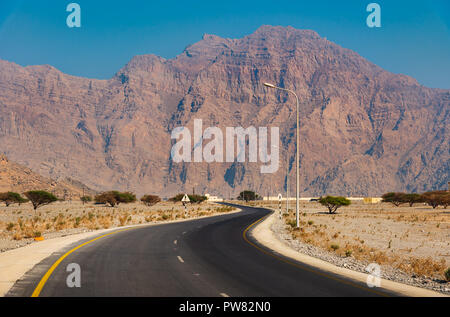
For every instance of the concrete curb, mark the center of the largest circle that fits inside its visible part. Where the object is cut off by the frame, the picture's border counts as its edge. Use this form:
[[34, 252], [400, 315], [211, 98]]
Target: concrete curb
[[265, 236], [15, 263]]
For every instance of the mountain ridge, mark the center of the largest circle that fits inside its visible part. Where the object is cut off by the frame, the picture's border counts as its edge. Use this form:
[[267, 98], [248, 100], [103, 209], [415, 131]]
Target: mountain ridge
[[116, 132]]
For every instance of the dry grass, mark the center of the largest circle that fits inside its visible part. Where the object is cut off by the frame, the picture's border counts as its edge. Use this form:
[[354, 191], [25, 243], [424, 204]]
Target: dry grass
[[412, 239], [21, 222]]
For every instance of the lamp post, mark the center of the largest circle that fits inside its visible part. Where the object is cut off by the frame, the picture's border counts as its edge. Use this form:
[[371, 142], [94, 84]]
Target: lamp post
[[298, 154]]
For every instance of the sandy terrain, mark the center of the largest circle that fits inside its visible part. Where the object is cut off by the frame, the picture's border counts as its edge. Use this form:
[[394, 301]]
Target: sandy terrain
[[415, 240], [19, 225]]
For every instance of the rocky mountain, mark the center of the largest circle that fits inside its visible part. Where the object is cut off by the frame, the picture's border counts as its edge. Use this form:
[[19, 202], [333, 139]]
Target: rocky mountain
[[18, 178], [364, 130]]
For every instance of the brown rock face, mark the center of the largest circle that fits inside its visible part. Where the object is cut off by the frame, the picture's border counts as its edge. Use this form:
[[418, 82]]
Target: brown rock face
[[364, 131], [18, 178]]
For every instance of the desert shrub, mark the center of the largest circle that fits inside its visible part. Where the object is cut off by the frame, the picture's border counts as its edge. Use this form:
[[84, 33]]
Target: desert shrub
[[40, 198], [150, 200], [86, 199], [447, 274], [114, 198], [107, 198], [10, 226], [126, 197], [193, 198], [334, 247], [333, 203]]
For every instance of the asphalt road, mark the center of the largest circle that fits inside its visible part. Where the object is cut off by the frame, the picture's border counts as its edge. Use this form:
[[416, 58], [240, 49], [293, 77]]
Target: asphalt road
[[204, 257]]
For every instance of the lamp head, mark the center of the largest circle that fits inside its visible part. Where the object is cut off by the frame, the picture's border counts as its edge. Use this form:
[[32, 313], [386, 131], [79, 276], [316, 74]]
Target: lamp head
[[269, 85]]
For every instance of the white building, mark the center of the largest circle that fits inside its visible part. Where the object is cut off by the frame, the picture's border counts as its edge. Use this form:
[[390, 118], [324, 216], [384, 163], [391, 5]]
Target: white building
[[213, 198]]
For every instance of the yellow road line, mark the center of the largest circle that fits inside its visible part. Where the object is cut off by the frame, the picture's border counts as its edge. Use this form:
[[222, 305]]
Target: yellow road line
[[244, 235], [47, 275]]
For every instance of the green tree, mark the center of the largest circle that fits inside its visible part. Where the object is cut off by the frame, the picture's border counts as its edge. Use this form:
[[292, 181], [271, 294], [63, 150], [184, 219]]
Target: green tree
[[126, 197], [394, 198], [114, 198], [40, 198], [412, 199], [333, 203], [248, 195], [12, 198], [107, 198], [86, 199], [437, 198], [150, 200]]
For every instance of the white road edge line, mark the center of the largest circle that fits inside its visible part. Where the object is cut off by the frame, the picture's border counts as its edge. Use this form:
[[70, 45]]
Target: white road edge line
[[224, 295], [180, 259]]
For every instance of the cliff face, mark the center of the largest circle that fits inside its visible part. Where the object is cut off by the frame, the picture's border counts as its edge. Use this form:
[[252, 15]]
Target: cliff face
[[364, 131]]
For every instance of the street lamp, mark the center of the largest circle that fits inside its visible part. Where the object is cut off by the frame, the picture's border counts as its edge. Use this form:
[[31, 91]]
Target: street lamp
[[298, 154]]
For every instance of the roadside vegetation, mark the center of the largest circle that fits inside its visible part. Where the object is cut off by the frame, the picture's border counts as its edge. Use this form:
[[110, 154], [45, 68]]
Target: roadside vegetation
[[196, 199], [53, 216], [400, 233]]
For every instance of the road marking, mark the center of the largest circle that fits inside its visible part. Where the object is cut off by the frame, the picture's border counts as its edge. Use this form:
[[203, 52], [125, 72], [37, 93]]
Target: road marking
[[47, 275], [224, 295], [184, 232], [180, 259], [244, 235], [175, 242]]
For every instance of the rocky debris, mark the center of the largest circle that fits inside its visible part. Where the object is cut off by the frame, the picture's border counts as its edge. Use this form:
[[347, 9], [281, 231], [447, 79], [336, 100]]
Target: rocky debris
[[281, 233]]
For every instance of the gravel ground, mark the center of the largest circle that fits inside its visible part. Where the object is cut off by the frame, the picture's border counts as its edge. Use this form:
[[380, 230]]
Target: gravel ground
[[282, 233]]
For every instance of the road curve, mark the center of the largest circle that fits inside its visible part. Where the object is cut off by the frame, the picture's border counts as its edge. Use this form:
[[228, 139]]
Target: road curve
[[204, 257]]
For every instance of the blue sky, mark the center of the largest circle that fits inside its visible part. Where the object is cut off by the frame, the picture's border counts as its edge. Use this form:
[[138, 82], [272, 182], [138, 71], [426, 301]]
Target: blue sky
[[414, 38]]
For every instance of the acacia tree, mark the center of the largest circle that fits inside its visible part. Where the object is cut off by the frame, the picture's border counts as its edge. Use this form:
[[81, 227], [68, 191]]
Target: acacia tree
[[40, 198], [12, 198], [150, 200], [248, 195], [412, 199], [333, 203], [394, 198], [437, 198], [114, 198]]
